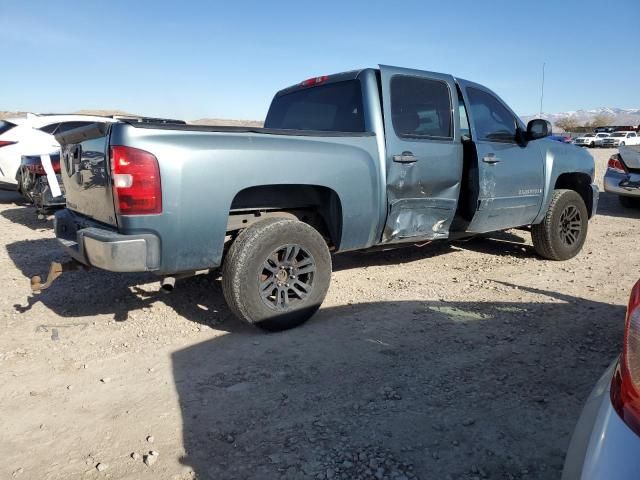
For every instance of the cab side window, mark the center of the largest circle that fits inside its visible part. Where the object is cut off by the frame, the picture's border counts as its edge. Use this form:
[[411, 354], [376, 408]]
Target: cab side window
[[66, 126], [492, 121], [421, 108], [49, 128]]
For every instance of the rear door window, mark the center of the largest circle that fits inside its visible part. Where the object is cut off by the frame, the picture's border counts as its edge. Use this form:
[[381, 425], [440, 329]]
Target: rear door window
[[51, 128], [5, 126], [491, 119], [335, 107], [421, 108], [66, 126]]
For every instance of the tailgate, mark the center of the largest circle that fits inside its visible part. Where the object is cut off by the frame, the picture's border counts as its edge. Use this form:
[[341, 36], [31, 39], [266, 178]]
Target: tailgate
[[86, 172]]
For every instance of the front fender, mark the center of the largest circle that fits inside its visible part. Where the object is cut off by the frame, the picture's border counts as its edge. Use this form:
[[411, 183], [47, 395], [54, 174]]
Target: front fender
[[560, 158]]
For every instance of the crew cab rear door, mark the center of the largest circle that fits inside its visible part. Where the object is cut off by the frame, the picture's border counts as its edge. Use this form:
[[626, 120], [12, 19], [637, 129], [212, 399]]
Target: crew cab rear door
[[424, 153]]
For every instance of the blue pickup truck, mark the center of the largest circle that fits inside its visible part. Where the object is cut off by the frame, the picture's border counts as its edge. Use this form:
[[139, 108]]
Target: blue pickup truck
[[368, 158]]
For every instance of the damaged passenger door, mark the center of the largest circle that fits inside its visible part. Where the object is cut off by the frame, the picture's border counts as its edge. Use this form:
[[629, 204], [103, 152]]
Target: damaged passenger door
[[424, 153]]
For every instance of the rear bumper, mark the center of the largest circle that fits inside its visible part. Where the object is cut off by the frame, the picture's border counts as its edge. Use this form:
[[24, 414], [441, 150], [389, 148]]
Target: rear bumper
[[602, 446], [95, 245], [625, 184]]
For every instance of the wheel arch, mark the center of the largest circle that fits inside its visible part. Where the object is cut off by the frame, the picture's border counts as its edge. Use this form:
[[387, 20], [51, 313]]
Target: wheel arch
[[319, 206], [579, 182]]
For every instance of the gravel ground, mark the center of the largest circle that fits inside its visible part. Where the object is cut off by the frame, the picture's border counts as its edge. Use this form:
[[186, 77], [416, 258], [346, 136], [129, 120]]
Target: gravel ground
[[452, 361]]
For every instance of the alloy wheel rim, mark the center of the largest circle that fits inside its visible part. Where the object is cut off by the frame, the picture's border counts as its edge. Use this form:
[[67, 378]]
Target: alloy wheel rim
[[570, 226], [286, 277]]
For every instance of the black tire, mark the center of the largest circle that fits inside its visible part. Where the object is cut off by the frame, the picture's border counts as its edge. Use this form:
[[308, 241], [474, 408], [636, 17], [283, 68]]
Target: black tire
[[270, 291], [629, 202], [592, 144], [563, 231], [622, 144]]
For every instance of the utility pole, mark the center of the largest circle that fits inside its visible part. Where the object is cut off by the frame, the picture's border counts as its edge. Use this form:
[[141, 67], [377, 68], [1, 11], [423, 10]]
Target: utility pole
[[542, 90]]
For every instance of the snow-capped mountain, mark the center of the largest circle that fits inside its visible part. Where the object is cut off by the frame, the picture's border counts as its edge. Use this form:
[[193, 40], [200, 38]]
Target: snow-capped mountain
[[619, 116]]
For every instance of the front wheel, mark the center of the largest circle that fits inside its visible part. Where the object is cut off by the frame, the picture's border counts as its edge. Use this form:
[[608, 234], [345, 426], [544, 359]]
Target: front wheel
[[276, 273], [563, 231], [592, 144], [622, 144]]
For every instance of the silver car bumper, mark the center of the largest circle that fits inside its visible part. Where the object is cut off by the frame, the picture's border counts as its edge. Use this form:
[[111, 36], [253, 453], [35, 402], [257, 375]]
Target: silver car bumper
[[625, 184], [96, 246], [602, 446]]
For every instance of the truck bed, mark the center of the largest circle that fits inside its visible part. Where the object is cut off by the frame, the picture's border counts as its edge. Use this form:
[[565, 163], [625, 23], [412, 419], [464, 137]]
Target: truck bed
[[236, 129]]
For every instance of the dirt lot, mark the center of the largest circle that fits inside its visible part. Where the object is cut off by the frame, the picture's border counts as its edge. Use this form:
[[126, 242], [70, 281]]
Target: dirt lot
[[469, 360]]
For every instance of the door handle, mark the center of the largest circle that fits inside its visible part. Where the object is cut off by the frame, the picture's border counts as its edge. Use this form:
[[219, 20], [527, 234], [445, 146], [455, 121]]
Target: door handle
[[491, 159], [405, 157]]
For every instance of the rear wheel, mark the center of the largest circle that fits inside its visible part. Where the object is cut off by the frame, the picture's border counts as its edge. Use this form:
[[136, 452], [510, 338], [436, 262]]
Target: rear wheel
[[563, 231], [276, 274]]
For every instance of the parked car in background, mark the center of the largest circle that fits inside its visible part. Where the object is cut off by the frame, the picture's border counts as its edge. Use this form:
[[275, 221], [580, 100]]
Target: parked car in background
[[590, 139], [368, 158], [560, 138], [617, 139], [606, 441], [32, 135], [623, 175]]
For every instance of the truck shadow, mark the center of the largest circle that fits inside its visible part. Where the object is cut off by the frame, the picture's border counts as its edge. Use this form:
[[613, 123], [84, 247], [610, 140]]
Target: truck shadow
[[27, 217], [438, 385], [8, 197], [609, 205], [198, 299]]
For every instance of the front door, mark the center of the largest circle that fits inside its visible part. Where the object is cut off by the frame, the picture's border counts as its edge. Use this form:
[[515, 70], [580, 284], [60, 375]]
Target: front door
[[424, 153], [511, 173]]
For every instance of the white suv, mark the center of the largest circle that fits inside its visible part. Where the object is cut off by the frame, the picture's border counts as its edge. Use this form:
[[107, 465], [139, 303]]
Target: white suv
[[33, 135], [590, 139], [621, 138]]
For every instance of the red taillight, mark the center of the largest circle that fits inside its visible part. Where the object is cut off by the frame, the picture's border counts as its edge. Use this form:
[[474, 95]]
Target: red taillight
[[310, 82], [56, 165], [616, 164], [625, 386], [136, 181], [6, 143]]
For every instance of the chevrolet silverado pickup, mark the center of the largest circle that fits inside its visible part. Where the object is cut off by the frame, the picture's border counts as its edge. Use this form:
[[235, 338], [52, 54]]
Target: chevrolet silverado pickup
[[373, 158]]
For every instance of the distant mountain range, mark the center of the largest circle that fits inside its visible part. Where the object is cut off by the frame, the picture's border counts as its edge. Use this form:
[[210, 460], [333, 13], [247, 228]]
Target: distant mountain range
[[619, 116]]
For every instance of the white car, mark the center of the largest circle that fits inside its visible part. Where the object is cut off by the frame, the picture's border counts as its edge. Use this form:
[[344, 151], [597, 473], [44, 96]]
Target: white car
[[617, 139], [33, 134], [591, 139]]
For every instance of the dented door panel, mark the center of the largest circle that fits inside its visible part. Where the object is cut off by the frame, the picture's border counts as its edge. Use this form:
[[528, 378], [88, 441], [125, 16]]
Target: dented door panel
[[424, 170]]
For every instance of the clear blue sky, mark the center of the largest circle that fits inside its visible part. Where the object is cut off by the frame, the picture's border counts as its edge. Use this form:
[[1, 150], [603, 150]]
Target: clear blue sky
[[225, 59]]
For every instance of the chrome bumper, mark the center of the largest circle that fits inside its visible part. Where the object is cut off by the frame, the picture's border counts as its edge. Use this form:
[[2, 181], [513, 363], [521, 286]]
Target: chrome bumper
[[625, 184], [99, 247]]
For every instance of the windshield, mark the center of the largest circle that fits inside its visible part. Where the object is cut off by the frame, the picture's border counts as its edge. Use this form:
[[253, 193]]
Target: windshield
[[589, 135], [618, 134], [334, 107]]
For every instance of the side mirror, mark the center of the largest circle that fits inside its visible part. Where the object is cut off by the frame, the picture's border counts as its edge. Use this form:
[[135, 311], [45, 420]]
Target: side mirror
[[538, 128]]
